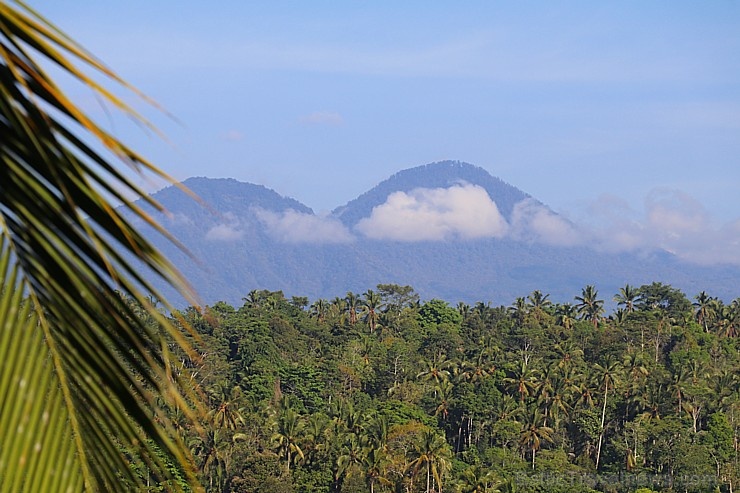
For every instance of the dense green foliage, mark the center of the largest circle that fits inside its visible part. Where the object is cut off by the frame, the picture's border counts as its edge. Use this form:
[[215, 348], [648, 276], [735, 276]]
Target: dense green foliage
[[381, 392]]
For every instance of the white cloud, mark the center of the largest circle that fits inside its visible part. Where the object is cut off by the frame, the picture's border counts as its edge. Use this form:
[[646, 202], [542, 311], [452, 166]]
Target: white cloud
[[291, 226], [674, 214], [531, 221], [462, 211], [671, 220], [224, 232], [331, 118]]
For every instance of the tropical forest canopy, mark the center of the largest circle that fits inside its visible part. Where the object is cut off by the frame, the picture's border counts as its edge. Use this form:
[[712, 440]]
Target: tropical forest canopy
[[384, 392]]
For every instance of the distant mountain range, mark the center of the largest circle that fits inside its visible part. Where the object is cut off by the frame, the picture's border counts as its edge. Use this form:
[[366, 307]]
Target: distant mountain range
[[449, 229]]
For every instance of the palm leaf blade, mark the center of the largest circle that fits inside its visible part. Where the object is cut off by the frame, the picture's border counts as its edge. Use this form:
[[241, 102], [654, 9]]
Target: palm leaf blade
[[34, 422], [81, 368]]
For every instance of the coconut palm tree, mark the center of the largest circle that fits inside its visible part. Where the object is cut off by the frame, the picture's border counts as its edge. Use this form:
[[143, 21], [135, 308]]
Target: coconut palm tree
[[560, 398], [583, 395], [680, 382], [523, 381], [319, 309], [705, 309], [476, 479], [82, 371], [732, 316], [538, 299], [254, 298], [554, 393], [371, 306], [375, 463], [534, 433], [636, 373], [519, 310], [464, 309], [725, 385], [337, 311], [568, 354], [351, 454], [431, 453], [443, 393], [565, 315], [436, 370], [589, 306], [728, 320], [478, 369], [208, 448], [483, 310], [315, 432], [627, 297], [352, 306], [287, 435], [539, 304], [225, 412]]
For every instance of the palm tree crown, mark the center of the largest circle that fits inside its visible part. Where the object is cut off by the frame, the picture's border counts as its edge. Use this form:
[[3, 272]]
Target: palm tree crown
[[589, 306]]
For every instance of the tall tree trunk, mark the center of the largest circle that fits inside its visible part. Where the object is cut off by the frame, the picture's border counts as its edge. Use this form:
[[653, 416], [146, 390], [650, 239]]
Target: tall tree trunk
[[459, 437], [470, 429], [601, 434]]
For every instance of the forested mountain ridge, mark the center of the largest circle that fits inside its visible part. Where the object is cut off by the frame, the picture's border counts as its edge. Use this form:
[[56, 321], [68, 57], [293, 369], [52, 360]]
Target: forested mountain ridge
[[441, 174], [382, 392], [223, 194], [244, 236]]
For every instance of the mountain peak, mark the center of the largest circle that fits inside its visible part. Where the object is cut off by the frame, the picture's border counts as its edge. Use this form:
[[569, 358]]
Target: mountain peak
[[441, 174], [229, 194]]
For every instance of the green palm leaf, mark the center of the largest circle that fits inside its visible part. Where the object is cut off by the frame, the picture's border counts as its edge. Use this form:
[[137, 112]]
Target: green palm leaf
[[81, 370]]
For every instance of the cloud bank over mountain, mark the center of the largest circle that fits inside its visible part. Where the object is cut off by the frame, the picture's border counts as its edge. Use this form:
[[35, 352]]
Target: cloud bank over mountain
[[291, 226], [535, 223], [423, 214], [457, 202], [460, 212], [224, 232], [670, 220], [229, 230]]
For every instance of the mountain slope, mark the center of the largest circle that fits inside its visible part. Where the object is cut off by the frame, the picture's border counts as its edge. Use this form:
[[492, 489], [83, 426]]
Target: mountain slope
[[442, 174], [247, 237]]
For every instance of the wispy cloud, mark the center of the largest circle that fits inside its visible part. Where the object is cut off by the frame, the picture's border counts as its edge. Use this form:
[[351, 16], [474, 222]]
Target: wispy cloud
[[531, 221], [291, 226], [228, 230], [462, 211], [331, 118], [224, 232], [671, 220]]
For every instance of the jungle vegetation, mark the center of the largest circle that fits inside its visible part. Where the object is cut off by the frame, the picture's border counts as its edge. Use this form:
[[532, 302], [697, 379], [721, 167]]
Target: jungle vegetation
[[382, 392]]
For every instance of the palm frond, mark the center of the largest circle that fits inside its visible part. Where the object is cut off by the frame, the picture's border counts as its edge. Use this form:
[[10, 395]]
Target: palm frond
[[81, 369]]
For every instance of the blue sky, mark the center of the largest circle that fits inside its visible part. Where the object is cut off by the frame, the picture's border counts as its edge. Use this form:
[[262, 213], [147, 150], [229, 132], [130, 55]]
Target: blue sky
[[595, 108]]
